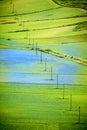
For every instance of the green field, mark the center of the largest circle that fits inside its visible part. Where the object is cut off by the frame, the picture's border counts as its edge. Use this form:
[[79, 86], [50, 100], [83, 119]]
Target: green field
[[42, 107], [51, 24], [43, 21], [72, 3]]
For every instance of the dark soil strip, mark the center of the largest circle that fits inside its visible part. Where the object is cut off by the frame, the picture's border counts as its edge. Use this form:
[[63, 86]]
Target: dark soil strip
[[78, 16], [44, 28], [30, 12]]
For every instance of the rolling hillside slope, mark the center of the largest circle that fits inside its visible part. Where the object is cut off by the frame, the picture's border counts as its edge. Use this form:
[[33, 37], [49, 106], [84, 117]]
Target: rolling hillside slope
[[72, 3], [43, 66], [42, 22]]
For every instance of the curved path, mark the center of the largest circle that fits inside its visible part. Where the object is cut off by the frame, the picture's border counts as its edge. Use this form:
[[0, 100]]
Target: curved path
[[52, 52], [62, 55]]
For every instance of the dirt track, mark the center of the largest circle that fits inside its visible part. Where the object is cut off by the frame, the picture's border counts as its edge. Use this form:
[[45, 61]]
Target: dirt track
[[62, 55]]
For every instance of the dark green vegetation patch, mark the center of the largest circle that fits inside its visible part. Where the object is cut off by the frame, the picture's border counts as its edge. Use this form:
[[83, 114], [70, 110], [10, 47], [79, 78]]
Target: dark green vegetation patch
[[81, 26], [73, 3]]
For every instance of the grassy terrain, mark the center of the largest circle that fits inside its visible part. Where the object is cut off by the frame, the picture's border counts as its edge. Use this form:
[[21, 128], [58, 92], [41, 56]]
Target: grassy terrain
[[81, 26], [15, 6], [61, 27], [32, 107], [43, 21], [72, 3]]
